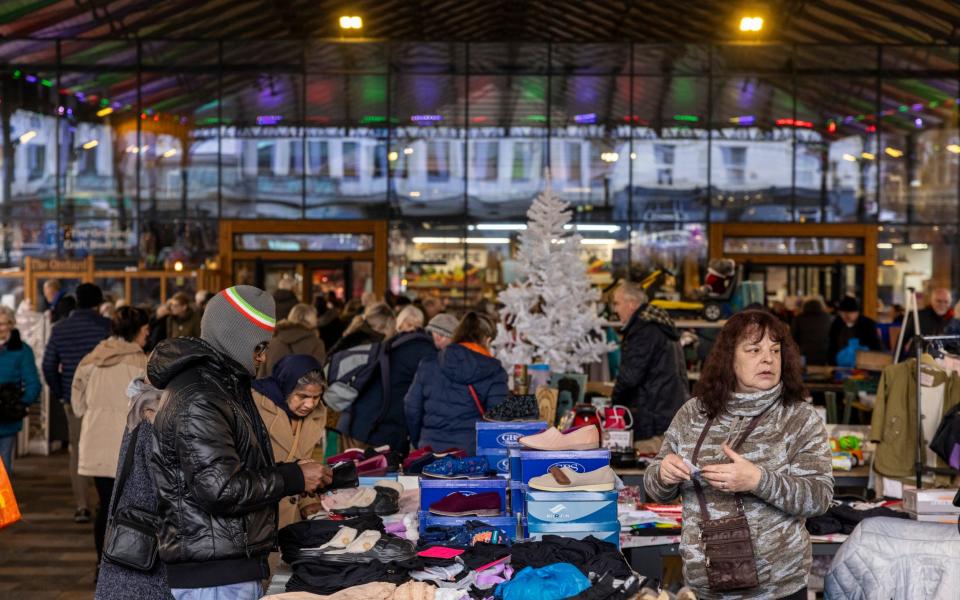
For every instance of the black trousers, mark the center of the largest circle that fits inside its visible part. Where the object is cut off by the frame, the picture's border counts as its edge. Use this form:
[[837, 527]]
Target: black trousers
[[797, 595], [104, 487]]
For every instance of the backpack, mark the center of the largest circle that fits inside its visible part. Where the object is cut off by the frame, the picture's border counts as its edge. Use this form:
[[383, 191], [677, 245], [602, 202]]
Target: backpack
[[349, 372]]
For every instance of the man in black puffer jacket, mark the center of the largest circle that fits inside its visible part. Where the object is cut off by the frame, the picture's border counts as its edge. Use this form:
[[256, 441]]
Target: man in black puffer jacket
[[218, 486], [652, 381]]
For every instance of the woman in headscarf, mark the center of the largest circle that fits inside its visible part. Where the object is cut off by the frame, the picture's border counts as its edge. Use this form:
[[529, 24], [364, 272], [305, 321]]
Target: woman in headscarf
[[290, 404]]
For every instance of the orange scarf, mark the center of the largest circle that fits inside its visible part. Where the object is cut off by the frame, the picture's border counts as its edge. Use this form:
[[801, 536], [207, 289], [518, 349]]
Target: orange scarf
[[476, 348]]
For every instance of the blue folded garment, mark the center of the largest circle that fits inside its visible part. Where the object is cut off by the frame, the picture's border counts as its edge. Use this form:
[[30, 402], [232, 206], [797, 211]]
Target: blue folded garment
[[552, 582]]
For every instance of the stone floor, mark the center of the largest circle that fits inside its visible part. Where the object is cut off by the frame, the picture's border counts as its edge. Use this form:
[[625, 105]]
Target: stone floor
[[46, 556]]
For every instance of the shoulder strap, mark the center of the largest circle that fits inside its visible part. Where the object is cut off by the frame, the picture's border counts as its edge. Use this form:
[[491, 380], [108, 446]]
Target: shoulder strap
[[476, 400], [127, 467]]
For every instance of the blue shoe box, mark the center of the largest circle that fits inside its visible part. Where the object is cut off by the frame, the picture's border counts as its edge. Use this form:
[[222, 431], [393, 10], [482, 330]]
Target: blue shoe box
[[605, 532], [518, 498], [433, 490], [506, 523], [492, 435], [369, 481], [571, 507], [498, 459], [534, 463], [516, 473]]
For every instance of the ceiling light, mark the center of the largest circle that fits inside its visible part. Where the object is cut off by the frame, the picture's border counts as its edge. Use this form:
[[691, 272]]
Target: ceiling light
[[28, 136], [104, 111], [893, 152], [885, 246], [408, 150], [598, 241], [458, 240], [850, 157], [178, 266], [609, 157], [132, 150], [501, 227], [414, 194], [868, 155], [889, 263], [594, 227], [953, 148], [90, 145], [169, 153], [392, 156], [751, 24], [919, 246], [349, 22]]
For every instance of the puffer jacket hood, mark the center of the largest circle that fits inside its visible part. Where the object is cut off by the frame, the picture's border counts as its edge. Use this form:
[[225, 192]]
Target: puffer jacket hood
[[174, 356], [462, 365], [112, 351]]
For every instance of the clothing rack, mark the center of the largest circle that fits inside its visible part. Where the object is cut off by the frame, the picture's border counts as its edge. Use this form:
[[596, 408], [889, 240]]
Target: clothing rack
[[920, 342]]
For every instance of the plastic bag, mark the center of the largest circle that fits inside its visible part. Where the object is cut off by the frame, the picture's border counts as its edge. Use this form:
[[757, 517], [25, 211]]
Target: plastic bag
[[848, 356], [9, 511]]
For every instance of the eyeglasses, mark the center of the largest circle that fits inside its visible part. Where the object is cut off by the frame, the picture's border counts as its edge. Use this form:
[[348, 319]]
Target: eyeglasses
[[261, 348]]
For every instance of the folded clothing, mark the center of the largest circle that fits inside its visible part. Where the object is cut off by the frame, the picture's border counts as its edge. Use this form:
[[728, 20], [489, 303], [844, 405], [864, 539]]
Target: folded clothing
[[482, 554], [329, 578], [844, 519], [464, 536], [589, 554], [552, 582], [609, 588], [317, 532]]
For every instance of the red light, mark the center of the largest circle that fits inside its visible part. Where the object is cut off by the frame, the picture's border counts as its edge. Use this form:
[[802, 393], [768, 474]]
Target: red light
[[794, 123], [871, 128], [831, 127], [478, 119], [143, 115], [156, 117]]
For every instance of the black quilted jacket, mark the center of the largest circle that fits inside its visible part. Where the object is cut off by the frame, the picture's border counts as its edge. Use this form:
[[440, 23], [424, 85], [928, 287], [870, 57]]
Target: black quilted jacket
[[217, 484]]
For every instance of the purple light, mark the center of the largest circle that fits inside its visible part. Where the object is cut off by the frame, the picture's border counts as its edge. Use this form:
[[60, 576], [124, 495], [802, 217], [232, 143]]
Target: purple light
[[586, 118], [269, 119], [31, 78], [918, 122], [69, 112], [60, 110], [917, 107], [848, 119], [746, 120], [426, 118], [117, 105], [80, 96]]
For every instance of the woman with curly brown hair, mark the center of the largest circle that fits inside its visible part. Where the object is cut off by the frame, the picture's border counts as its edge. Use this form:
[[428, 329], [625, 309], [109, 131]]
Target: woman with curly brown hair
[[746, 451]]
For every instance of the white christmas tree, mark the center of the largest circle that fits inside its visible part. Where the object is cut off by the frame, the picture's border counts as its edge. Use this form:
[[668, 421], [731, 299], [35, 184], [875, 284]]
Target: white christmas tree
[[550, 316]]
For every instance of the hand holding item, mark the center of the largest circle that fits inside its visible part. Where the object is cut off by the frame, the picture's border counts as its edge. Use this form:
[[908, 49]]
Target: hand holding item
[[741, 475], [315, 475], [673, 470]]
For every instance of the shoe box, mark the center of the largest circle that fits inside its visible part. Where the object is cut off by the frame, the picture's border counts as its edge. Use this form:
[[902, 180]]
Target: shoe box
[[607, 531], [506, 523], [433, 490], [930, 501], [518, 498], [516, 473], [617, 438], [498, 459], [570, 507], [534, 463], [370, 481], [495, 435]]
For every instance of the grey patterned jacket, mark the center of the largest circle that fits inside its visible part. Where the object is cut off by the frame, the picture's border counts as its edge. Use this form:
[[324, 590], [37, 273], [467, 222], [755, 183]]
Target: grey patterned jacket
[[791, 448]]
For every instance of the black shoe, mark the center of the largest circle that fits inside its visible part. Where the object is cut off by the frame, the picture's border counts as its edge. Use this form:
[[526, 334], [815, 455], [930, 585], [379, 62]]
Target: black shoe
[[82, 516], [386, 503], [344, 476], [516, 408], [388, 549]]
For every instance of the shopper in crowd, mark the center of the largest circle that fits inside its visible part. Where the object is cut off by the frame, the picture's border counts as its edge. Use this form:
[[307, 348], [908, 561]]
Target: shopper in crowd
[[108, 310], [899, 312], [934, 318], [431, 307], [19, 382], [376, 324], [290, 403], [64, 307], [297, 334], [369, 299], [212, 460], [441, 328], [453, 390], [329, 325], [652, 380], [410, 318], [98, 398], [848, 325], [285, 297], [811, 331], [336, 328], [377, 416], [51, 293], [158, 326], [760, 441], [200, 299], [183, 321], [71, 339], [115, 582]]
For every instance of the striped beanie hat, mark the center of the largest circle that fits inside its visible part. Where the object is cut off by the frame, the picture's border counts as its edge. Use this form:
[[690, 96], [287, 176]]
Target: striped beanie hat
[[238, 319]]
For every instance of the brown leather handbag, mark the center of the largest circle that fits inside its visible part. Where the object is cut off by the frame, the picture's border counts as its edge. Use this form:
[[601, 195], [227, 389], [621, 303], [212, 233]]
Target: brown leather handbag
[[730, 559]]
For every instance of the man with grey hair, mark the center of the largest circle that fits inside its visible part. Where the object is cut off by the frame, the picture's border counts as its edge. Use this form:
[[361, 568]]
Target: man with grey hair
[[933, 319], [652, 381]]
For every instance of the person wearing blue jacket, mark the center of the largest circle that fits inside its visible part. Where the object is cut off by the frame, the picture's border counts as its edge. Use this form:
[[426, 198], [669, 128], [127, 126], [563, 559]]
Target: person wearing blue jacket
[[18, 369], [70, 340], [441, 410]]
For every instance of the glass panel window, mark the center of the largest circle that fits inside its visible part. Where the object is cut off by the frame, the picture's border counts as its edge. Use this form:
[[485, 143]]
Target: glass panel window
[[295, 162], [264, 158], [36, 160], [663, 155], [303, 242], [792, 245], [438, 165], [735, 164], [351, 161], [523, 161], [319, 154], [574, 162], [87, 162], [380, 160], [485, 160]]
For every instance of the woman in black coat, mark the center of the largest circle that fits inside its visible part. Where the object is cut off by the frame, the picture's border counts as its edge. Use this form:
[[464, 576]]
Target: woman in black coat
[[811, 331]]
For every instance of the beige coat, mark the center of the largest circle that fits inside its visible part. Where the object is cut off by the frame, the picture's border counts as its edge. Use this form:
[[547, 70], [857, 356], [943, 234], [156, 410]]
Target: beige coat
[[99, 396], [283, 432]]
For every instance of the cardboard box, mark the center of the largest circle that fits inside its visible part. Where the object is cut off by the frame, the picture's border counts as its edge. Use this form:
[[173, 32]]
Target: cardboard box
[[925, 502], [370, 481], [606, 532], [934, 518], [434, 490], [516, 473], [518, 498], [617, 438], [571, 507], [534, 463], [498, 459], [507, 523], [492, 435]]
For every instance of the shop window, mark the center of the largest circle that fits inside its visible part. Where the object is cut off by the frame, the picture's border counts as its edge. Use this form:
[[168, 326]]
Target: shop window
[[380, 160], [522, 161], [351, 161], [319, 155], [485, 160], [574, 162], [87, 162], [264, 158], [664, 156], [438, 161], [36, 160], [296, 157], [735, 164]]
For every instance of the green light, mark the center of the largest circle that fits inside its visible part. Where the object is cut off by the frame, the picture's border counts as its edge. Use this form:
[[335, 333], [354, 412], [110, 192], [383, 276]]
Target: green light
[[373, 89], [208, 121], [46, 83], [861, 117], [687, 118], [373, 119], [538, 118], [16, 74], [533, 88], [934, 103], [903, 108]]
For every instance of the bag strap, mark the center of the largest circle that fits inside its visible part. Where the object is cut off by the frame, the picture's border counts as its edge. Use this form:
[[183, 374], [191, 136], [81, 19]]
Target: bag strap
[[736, 446], [476, 400], [127, 467]]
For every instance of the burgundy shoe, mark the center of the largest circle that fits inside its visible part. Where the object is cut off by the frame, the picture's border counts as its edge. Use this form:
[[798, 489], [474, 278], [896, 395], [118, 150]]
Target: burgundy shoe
[[373, 467], [352, 454], [460, 505], [415, 455], [453, 452]]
